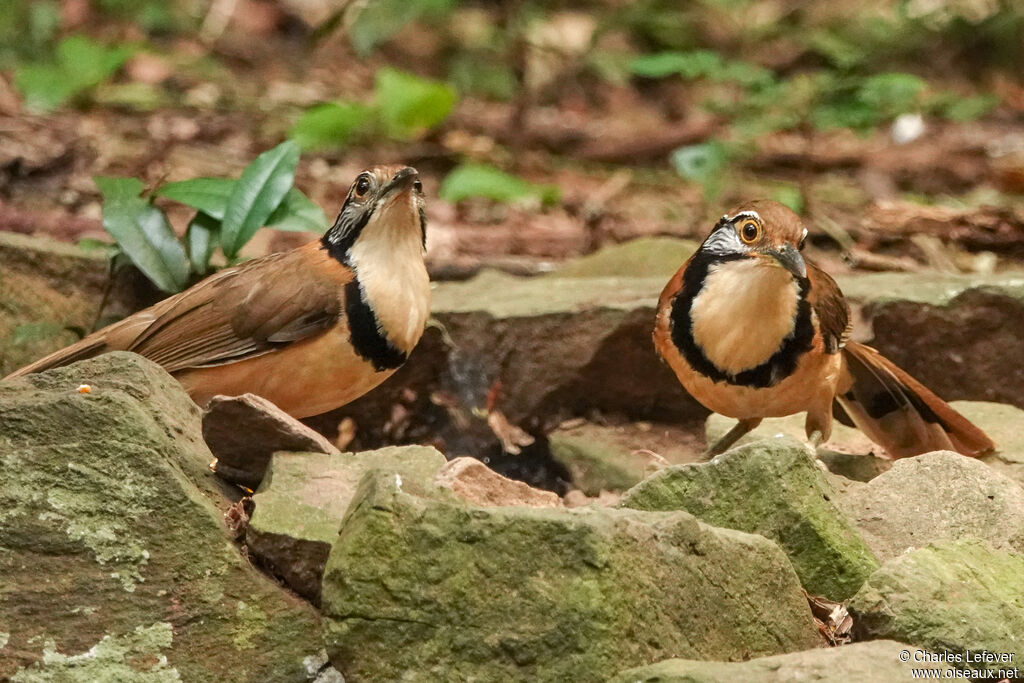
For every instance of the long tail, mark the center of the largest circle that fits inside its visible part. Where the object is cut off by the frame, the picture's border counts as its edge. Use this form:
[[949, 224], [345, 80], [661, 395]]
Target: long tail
[[899, 413]]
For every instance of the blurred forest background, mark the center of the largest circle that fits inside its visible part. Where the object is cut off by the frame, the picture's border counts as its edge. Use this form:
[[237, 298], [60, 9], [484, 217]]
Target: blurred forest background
[[544, 130]]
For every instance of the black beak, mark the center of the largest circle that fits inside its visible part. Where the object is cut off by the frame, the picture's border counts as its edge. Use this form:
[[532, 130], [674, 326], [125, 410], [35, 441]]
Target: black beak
[[403, 180], [790, 259]]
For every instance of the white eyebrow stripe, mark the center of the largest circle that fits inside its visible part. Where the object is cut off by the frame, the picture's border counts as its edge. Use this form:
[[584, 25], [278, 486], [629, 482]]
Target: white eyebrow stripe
[[745, 214]]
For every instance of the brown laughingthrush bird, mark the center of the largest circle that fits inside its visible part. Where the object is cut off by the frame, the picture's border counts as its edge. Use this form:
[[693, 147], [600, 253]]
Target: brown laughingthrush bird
[[310, 329], [753, 331]]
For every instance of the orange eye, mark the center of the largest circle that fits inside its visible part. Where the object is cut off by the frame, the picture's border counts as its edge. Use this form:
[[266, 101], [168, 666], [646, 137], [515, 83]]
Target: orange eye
[[750, 232]]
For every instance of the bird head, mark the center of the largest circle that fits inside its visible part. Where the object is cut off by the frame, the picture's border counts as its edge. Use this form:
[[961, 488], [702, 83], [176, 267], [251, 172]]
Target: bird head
[[763, 230], [384, 203]]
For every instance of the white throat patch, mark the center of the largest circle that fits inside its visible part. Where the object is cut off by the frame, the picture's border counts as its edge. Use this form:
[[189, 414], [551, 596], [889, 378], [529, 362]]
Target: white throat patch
[[743, 313]]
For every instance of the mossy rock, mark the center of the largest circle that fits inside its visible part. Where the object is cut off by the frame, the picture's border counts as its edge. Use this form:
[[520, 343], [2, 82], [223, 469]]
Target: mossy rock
[[874, 661], [958, 597], [109, 544], [773, 488], [304, 496], [420, 589]]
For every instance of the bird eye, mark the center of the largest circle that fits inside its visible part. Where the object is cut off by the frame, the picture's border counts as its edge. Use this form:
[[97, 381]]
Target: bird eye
[[362, 186], [750, 232], [417, 185]]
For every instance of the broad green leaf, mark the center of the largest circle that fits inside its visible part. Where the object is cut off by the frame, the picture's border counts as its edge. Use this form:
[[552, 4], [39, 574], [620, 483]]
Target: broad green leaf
[[256, 194], [329, 126], [410, 105], [201, 238], [80, 64], [89, 62], [298, 213], [209, 195], [143, 233], [473, 180], [118, 188], [44, 86]]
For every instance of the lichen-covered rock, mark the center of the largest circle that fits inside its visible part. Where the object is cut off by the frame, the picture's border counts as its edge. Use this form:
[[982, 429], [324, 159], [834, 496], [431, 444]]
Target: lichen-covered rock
[[933, 497], [877, 660], [607, 458], [773, 488], [107, 545], [476, 483], [50, 295], [299, 507], [421, 589], [953, 596], [848, 453], [243, 432]]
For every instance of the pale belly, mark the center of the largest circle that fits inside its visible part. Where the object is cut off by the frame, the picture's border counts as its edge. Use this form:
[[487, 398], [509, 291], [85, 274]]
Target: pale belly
[[303, 379], [810, 387]]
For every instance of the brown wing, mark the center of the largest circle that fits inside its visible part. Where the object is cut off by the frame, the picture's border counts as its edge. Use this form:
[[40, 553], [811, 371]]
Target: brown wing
[[830, 306], [237, 313]]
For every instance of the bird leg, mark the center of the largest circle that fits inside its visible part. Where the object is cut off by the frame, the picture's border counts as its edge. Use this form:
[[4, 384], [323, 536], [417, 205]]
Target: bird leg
[[742, 428]]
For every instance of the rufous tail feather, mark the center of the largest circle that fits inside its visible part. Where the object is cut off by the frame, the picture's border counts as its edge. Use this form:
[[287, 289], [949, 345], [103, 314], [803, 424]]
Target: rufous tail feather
[[899, 413]]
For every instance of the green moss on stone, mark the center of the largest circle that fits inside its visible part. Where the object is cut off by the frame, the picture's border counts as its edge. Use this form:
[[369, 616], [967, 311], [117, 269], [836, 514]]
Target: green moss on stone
[[427, 589], [953, 596], [773, 488], [103, 494]]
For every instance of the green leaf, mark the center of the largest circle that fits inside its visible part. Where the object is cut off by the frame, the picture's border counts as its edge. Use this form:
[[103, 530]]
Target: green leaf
[[892, 94], [329, 126], [80, 64], [44, 86], [209, 195], [89, 62], [410, 105], [118, 188], [298, 213], [256, 194], [693, 64], [474, 180], [143, 233], [969, 108], [201, 238]]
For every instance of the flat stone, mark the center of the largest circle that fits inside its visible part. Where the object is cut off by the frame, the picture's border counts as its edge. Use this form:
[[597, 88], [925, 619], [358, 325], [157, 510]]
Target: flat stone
[[878, 660], [1003, 423], [110, 545], [243, 432], [300, 505], [653, 256], [477, 484], [426, 589], [933, 497], [773, 488], [952, 596]]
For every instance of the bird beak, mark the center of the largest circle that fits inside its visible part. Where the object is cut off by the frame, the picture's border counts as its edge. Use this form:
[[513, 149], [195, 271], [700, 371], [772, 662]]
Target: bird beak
[[402, 181], [789, 258]]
